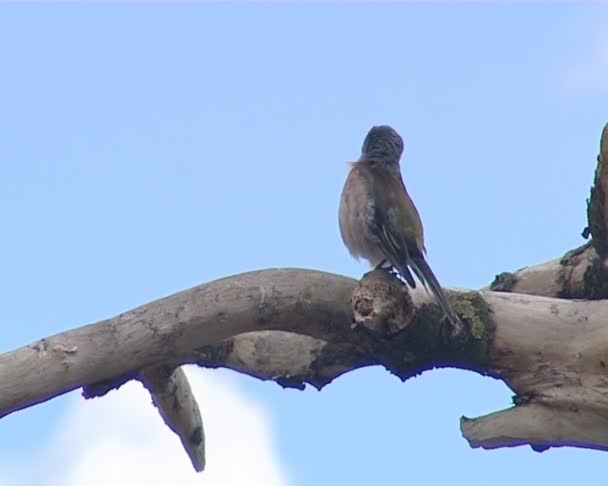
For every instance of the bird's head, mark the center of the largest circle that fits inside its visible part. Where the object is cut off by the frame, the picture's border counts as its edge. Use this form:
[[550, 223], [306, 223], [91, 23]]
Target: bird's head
[[382, 145]]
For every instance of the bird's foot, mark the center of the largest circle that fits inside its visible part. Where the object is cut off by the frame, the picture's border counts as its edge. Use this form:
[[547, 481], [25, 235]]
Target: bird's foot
[[456, 325], [387, 266], [380, 265]]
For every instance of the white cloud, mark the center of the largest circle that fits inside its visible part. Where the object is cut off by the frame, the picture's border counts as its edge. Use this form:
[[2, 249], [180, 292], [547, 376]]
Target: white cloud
[[121, 439], [588, 75]]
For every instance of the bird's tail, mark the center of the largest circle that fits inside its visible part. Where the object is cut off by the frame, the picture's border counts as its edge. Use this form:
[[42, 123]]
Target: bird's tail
[[427, 277]]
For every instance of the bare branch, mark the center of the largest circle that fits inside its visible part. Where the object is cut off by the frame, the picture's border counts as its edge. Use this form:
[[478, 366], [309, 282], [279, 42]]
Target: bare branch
[[289, 359], [537, 425], [553, 354], [294, 327], [172, 395], [172, 329], [574, 276]]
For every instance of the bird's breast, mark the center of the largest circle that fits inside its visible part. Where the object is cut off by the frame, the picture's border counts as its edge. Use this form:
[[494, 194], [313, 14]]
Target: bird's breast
[[356, 216]]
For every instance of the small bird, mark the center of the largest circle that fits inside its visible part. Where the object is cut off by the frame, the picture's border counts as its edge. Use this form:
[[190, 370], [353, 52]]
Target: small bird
[[378, 219]]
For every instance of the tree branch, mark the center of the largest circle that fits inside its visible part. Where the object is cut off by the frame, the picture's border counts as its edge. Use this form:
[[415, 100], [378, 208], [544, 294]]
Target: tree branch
[[536, 425], [289, 359], [576, 275], [172, 329], [172, 395], [234, 322]]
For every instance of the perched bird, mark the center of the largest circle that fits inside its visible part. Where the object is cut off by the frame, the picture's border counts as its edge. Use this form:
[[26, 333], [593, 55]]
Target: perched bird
[[378, 219]]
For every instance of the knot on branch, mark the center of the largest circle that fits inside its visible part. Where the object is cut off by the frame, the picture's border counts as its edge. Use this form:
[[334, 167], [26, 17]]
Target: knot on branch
[[409, 337], [504, 282], [582, 274], [382, 303], [595, 280]]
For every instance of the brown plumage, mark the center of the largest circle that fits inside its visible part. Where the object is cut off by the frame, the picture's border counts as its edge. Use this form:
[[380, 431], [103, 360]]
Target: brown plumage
[[378, 219]]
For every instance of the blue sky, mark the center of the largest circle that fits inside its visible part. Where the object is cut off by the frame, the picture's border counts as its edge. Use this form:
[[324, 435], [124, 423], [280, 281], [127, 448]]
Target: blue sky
[[147, 148]]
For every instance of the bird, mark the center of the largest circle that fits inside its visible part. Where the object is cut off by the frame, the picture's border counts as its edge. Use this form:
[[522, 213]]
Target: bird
[[378, 219]]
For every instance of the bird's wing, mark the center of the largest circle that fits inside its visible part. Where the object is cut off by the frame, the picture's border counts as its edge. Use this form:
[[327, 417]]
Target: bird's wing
[[393, 247], [397, 224], [400, 233]]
